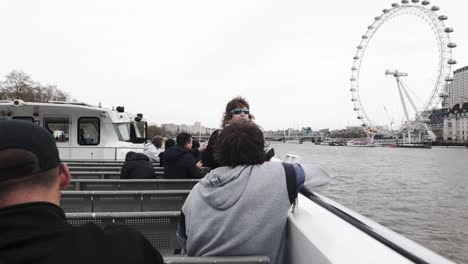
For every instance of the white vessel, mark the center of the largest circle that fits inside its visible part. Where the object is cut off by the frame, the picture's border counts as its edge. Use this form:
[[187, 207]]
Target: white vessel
[[361, 143], [83, 132]]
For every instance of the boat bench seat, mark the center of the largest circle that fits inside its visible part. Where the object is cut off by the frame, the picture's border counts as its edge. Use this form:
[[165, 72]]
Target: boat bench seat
[[123, 201], [217, 260], [103, 174], [131, 184], [158, 227]]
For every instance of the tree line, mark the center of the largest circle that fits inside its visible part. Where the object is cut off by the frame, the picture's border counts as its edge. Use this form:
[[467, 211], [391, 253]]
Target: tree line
[[20, 85]]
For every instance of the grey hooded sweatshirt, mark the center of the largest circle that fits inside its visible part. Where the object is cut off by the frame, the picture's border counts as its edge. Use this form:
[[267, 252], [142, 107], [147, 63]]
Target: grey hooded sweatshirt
[[243, 210]]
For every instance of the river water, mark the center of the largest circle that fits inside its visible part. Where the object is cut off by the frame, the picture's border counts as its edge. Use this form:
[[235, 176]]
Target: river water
[[419, 193]]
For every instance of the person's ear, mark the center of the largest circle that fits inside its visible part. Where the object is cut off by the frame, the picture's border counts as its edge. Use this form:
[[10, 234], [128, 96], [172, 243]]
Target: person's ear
[[65, 176]]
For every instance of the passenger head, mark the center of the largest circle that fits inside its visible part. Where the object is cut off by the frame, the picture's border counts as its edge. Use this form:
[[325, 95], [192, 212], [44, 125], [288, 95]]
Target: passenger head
[[195, 144], [240, 143], [184, 140], [169, 143], [129, 155], [30, 167], [157, 141], [236, 109]]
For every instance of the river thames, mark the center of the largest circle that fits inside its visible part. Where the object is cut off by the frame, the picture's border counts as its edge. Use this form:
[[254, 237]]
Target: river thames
[[419, 193]]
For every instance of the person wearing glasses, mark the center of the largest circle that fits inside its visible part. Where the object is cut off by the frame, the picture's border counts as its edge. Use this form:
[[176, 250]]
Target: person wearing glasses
[[236, 109]]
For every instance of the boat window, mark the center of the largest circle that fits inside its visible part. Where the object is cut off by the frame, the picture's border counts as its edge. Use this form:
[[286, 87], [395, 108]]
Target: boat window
[[123, 130], [89, 131], [139, 129], [24, 118], [136, 132], [59, 127]]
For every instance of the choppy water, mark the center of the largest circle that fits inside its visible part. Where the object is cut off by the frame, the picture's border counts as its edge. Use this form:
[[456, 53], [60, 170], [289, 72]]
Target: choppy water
[[419, 193]]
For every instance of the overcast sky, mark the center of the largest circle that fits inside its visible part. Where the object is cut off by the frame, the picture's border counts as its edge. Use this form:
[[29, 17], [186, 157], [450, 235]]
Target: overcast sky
[[181, 61]]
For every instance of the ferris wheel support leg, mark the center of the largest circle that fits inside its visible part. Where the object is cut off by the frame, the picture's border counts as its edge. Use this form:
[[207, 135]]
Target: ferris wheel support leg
[[409, 97], [402, 99]]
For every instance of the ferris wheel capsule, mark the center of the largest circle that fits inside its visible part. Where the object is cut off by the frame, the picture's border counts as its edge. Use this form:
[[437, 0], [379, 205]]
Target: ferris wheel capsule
[[352, 90], [385, 11], [415, 1], [360, 117], [452, 62], [353, 68], [356, 109], [353, 99], [352, 79], [365, 37], [452, 45], [395, 5], [405, 2], [448, 30], [359, 47], [442, 17], [435, 8], [356, 58], [443, 95], [370, 27], [377, 18], [425, 3]]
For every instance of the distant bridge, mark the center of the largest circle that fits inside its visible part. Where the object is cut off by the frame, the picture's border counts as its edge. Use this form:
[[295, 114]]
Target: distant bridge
[[298, 138], [275, 138]]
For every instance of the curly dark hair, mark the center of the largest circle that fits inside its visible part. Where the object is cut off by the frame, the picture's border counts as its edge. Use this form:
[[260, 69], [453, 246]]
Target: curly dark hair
[[157, 141], [240, 143], [237, 102]]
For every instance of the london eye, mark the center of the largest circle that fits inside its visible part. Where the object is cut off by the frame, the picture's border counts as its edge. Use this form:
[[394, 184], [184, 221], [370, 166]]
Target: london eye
[[414, 115]]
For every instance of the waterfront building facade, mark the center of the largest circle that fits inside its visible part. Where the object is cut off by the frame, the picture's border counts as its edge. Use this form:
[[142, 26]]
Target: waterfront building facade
[[456, 122], [458, 89]]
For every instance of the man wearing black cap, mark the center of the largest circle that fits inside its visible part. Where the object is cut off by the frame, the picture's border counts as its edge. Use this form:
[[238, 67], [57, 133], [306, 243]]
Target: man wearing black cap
[[33, 228]]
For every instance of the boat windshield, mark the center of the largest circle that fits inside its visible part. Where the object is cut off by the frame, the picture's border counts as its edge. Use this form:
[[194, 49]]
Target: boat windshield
[[131, 132], [123, 130], [139, 129]]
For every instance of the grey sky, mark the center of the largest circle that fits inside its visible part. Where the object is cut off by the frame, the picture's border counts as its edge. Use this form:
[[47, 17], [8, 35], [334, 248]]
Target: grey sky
[[181, 61]]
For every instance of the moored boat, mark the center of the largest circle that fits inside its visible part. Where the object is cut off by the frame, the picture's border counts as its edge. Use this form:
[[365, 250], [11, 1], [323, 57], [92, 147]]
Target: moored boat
[[82, 131]]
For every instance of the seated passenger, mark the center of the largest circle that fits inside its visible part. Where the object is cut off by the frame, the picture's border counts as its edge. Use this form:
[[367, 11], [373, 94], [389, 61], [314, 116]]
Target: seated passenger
[[153, 149], [241, 208], [137, 166], [167, 145], [33, 228], [196, 152], [179, 162], [236, 109]]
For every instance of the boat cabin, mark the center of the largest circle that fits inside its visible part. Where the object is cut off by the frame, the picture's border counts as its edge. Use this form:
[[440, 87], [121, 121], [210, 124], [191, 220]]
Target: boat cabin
[[82, 131]]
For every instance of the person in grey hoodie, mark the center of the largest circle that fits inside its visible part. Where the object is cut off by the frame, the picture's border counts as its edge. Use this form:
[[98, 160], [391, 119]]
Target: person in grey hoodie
[[241, 208]]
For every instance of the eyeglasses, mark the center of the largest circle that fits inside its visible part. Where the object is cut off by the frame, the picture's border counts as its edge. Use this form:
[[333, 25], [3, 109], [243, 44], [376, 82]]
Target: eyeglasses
[[239, 111]]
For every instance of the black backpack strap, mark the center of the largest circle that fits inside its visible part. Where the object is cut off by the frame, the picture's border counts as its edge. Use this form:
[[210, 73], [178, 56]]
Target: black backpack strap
[[290, 174]]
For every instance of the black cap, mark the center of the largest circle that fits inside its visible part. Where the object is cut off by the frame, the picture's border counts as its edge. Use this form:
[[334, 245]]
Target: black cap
[[16, 134]]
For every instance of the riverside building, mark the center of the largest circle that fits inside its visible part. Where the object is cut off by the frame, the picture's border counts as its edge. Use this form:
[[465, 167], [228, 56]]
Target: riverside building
[[456, 122]]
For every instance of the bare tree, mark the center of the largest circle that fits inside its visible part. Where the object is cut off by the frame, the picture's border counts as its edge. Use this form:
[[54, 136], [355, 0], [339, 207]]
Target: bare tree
[[19, 85]]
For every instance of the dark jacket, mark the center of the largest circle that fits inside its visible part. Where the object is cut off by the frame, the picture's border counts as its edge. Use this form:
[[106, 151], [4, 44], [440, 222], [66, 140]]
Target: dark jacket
[[208, 159], [161, 158], [196, 154], [38, 233], [138, 166], [179, 163]]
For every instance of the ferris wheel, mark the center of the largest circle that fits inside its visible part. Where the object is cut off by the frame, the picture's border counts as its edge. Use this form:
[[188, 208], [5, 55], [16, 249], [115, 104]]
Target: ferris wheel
[[429, 14]]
